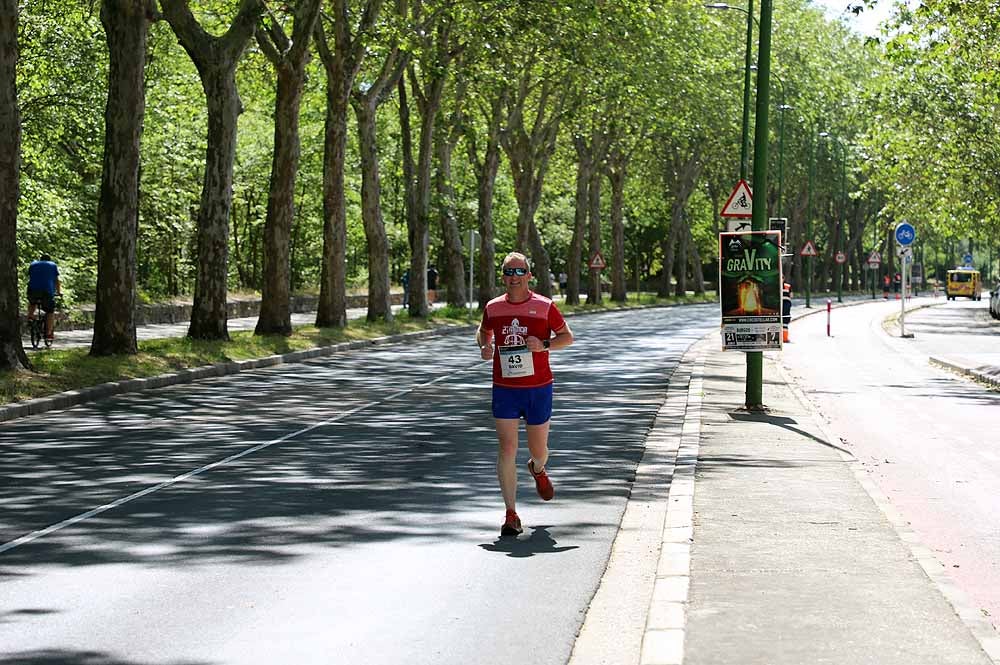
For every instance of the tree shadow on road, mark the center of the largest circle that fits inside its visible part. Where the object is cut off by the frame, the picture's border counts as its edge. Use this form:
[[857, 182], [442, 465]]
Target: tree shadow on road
[[368, 446]]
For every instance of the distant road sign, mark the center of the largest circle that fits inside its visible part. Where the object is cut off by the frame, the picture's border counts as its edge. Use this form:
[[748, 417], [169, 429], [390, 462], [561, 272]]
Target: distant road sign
[[738, 224], [740, 202], [967, 259], [874, 259], [904, 250], [597, 262], [905, 233], [840, 257], [808, 249]]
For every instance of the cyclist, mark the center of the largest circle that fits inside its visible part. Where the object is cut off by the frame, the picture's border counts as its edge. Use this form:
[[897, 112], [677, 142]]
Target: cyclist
[[43, 286]]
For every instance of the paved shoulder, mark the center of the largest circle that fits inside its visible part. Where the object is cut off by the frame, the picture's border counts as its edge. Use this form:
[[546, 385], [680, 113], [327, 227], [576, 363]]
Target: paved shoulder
[[792, 562]]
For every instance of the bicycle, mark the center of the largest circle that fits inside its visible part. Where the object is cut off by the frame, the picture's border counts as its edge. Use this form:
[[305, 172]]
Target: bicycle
[[36, 326]]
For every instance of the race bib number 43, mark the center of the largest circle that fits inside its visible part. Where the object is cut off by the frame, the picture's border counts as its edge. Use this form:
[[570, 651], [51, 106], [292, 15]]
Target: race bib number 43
[[516, 361]]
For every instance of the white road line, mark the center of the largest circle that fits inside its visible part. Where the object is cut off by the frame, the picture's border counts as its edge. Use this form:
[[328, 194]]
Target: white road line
[[76, 519]]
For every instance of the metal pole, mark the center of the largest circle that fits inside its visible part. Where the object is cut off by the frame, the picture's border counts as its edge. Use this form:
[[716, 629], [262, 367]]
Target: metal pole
[[809, 212], [755, 359], [745, 147], [472, 254], [841, 239], [781, 149], [902, 301]]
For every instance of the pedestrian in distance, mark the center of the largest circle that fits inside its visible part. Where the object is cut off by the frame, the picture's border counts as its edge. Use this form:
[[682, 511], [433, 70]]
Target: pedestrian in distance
[[432, 284], [518, 330], [43, 287], [405, 281]]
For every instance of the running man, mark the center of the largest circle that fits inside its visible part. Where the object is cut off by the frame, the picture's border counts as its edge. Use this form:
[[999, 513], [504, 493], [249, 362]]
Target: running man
[[518, 331]]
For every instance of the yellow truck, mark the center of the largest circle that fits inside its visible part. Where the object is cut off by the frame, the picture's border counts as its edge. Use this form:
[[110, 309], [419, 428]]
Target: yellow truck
[[964, 282]]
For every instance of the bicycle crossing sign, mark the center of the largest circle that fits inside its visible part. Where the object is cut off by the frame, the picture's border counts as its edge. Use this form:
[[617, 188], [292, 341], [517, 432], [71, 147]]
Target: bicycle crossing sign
[[809, 249], [740, 202], [905, 233], [874, 259]]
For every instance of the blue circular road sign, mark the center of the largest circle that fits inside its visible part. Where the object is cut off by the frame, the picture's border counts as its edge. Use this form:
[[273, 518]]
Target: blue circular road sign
[[905, 233], [967, 259]]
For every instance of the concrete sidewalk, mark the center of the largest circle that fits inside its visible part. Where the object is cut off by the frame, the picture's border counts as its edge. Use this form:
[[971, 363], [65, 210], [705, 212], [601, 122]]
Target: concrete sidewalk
[[784, 552]]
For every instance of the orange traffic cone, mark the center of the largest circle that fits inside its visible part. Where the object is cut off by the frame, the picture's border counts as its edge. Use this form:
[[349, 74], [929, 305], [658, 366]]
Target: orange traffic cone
[[784, 334]]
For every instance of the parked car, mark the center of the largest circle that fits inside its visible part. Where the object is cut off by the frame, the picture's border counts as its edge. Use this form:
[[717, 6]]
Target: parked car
[[995, 301]]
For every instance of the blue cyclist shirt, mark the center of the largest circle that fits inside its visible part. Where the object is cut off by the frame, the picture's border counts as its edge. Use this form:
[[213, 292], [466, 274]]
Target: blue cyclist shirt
[[42, 276]]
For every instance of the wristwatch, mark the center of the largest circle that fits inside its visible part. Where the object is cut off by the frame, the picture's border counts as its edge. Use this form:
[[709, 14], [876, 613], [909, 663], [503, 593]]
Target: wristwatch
[[546, 343]]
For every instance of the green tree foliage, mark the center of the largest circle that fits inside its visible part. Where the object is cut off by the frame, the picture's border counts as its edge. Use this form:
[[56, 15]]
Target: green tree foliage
[[637, 101]]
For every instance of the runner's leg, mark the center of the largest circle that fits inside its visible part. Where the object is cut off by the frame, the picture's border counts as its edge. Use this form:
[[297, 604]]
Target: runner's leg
[[538, 444], [507, 430]]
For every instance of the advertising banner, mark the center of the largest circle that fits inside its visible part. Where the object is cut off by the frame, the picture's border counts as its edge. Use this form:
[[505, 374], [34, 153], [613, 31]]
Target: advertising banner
[[750, 282]]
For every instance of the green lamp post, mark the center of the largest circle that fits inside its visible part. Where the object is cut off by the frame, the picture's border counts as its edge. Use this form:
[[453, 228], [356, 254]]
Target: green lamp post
[[745, 136]]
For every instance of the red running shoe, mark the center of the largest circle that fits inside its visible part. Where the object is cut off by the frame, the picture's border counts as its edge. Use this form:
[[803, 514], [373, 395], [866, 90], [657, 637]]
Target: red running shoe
[[542, 482], [511, 524]]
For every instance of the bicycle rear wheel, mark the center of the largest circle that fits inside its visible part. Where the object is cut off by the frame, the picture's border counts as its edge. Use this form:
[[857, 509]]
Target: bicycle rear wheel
[[36, 332]]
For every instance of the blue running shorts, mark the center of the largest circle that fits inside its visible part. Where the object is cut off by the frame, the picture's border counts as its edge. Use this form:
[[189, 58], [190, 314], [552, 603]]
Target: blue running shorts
[[532, 404]]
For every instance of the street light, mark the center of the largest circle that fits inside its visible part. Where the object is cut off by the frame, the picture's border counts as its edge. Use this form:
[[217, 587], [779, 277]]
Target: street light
[[843, 209], [755, 359], [745, 140], [781, 137], [809, 208]]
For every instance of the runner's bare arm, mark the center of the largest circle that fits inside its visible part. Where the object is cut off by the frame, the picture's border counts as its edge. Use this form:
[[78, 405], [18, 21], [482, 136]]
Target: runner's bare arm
[[485, 342], [563, 338]]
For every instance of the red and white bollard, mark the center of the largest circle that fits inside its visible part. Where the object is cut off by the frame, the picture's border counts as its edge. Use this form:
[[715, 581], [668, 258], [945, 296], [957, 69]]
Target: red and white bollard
[[829, 308]]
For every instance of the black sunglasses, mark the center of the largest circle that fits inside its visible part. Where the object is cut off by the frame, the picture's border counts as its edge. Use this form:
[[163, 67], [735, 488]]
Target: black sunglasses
[[520, 272]]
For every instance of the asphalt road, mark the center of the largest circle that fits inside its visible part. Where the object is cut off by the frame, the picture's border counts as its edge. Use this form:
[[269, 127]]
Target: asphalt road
[[929, 438], [343, 510]]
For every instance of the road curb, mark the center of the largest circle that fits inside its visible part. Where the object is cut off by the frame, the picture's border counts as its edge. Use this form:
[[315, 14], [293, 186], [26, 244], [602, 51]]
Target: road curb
[[979, 377], [637, 613]]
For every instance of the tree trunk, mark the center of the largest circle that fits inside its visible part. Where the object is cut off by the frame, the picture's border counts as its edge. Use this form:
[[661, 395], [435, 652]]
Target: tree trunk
[[594, 217], [216, 59], [290, 62], [342, 64], [371, 213], [486, 175], [695, 263], [683, 234], [681, 180], [332, 309], [619, 291], [450, 234], [12, 354], [209, 316], [416, 237], [126, 23], [583, 169]]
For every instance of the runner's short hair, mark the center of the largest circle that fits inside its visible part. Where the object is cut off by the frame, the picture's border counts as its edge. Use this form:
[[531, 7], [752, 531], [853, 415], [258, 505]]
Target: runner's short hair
[[517, 255]]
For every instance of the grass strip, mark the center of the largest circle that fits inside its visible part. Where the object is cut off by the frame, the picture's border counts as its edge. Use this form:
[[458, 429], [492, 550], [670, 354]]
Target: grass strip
[[57, 370]]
